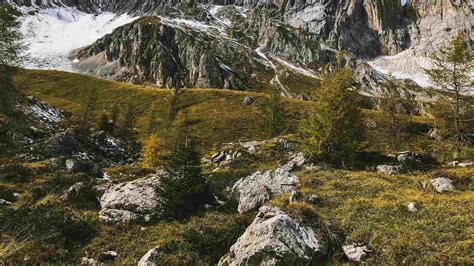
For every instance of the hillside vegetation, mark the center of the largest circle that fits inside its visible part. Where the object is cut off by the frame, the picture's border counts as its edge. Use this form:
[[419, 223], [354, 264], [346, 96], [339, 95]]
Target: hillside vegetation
[[355, 205], [217, 116]]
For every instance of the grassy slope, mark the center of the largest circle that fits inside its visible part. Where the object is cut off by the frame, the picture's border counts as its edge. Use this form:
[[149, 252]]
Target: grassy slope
[[366, 207], [217, 116], [372, 208]]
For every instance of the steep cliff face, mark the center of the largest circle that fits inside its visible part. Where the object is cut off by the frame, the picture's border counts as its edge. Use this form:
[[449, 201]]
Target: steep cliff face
[[425, 8], [366, 28], [174, 51]]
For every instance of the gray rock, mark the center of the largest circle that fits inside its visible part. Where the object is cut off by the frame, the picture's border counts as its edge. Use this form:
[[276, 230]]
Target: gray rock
[[107, 256], [274, 238], [389, 169], [406, 156], [284, 144], [131, 201], [149, 258], [75, 166], [442, 184], [295, 196], [355, 252], [464, 165], [298, 158], [248, 100], [314, 199], [73, 192], [252, 150], [90, 261], [412, 207], [224, 158], [5, 202], [253, 191]]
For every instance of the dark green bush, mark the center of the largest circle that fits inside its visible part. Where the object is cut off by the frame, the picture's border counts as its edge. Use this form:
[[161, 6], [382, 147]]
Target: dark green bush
[[15, 172]]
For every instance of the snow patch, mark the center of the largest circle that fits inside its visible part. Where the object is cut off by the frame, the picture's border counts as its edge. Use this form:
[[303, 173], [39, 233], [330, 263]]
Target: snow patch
[[295, 68], [405, 65], [53, 33]]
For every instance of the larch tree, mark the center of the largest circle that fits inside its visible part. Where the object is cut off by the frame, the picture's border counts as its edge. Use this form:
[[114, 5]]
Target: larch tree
[[151, 151], [393, 111], [274, 114], [453, 70], [332, 128]]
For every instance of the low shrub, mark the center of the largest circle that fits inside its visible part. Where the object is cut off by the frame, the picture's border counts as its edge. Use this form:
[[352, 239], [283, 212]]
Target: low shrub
[[16, 173]]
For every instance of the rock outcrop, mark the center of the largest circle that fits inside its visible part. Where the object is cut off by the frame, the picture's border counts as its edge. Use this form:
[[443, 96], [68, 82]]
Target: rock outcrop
[[253, 191], [442, 184], [131, 201], [274, 238], [149, 258], [355, 252], [389, 169]]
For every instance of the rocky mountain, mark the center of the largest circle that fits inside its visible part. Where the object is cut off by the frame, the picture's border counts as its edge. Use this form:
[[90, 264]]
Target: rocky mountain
[[253, 45]]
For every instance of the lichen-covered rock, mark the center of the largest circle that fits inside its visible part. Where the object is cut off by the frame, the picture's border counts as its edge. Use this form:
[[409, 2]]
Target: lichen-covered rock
[[253, 191], [389, 169], [442, 184], [149, 258], [224, 158], [131, 201], [274, 238], [355, 252]]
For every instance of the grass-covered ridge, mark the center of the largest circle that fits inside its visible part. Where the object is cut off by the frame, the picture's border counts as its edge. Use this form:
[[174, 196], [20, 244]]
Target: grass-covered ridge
[[216, 115]]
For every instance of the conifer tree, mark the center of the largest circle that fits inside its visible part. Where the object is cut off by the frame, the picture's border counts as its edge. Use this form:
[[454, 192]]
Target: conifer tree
[[332, 127], [183, 186], [105, 123], [394, 118], [274, 115], [11, 50], [90, 108], [452, 70]]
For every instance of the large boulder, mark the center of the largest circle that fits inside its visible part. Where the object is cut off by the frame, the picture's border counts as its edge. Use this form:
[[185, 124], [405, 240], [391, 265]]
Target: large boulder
[[274, 238], [253, 191], [131, 201]]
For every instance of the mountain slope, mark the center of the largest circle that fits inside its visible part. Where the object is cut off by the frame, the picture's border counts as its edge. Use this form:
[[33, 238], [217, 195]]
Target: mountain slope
[[244, 45]]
